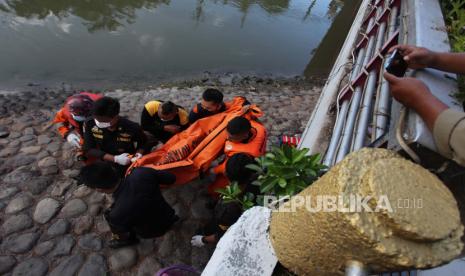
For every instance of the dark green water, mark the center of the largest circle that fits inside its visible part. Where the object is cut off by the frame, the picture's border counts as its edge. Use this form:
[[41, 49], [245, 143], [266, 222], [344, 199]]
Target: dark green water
[[107, 43]]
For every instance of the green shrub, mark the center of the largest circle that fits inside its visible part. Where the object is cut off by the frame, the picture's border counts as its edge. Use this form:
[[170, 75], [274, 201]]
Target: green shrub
[[233, 193], [285, 171], [454, 15]]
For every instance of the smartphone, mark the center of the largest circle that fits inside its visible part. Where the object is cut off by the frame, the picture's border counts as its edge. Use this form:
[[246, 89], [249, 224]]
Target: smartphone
[[395, 64]]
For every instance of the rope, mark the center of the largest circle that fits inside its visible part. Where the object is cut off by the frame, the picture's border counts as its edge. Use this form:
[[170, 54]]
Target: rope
[[364, 35], [364, 70], [442, 168], [338, 97], [383, 114], [376, 112], [400, 138]]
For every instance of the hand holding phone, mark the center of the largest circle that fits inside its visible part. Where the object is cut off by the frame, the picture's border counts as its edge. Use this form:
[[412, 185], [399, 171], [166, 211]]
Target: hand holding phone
[[395, 64]]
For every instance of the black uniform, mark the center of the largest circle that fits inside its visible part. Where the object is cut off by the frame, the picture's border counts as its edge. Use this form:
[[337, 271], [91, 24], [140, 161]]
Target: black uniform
[[139, 207], [152, 123], [225, 214], [127, 138]]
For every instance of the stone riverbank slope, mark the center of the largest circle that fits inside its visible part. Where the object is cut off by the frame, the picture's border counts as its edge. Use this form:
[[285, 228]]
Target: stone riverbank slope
[[48, 225]]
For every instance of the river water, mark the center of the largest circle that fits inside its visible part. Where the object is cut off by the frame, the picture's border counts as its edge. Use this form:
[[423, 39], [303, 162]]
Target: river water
[[108, 43]]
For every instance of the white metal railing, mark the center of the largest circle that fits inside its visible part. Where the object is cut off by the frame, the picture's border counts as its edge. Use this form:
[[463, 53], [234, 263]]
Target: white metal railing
[[364, 99]]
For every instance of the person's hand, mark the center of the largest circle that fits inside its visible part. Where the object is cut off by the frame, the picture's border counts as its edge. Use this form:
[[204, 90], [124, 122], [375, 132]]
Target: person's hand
[[74, 139], [197, 241], [122, 159], [136, 157], [416, 57], [416, 95], [408, 91], [172, 128]]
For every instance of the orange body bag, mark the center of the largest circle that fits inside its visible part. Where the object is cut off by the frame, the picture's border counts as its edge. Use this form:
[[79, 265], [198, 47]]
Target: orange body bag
[[191, 151]]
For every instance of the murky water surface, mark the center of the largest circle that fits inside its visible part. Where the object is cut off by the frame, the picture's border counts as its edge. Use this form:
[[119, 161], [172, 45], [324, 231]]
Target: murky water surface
[[112, 42]]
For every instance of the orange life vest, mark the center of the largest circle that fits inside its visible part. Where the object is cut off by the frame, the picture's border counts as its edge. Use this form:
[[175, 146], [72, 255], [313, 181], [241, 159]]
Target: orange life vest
[[256, 146]]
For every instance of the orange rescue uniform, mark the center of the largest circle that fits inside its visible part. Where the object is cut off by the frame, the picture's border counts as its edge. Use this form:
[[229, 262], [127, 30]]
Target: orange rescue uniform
[[64, 119], [255, 146]]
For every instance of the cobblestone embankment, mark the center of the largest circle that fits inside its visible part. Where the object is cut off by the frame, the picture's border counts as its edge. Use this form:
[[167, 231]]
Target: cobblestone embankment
[[48, 225]]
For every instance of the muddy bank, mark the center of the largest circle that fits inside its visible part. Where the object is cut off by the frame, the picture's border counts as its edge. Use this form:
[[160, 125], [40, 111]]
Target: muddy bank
[[205, 79]]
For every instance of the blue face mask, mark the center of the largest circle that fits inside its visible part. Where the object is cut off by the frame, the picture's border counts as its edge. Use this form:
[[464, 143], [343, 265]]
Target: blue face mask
[[79, 118]]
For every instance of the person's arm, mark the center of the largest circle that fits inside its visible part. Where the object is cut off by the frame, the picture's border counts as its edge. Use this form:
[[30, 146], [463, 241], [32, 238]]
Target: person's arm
[[447, 125], [194, 114], [147, 123], [62, 123], [449, 135], [414, 94], [419, 58], [211, 238], [140, 138], [90, 145], [450, 62], [183, 119]]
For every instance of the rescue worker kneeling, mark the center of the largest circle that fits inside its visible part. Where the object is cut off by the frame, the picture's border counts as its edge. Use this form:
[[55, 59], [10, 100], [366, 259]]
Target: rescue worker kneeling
[[139, 208], [162, 120], [71, 117], [244, 136], [112, 138], [212, 103]]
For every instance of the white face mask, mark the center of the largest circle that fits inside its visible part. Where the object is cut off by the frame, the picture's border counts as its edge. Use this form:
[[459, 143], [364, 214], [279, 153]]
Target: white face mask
[[102, 124], [79, 118]]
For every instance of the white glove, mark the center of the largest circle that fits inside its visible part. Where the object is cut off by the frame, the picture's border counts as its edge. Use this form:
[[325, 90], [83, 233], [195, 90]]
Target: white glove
[[122, 159], [74, 140], [136, 157], [197, 241]]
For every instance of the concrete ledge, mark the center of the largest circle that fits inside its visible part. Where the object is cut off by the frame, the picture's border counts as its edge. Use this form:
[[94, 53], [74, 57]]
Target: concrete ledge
[[245, 249]]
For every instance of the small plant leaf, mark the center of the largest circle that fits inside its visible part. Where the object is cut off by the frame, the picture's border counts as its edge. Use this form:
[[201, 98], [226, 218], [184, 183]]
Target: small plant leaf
[[268, 184], [282, 182], [254, 167], [287, 152], [299, 155]]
